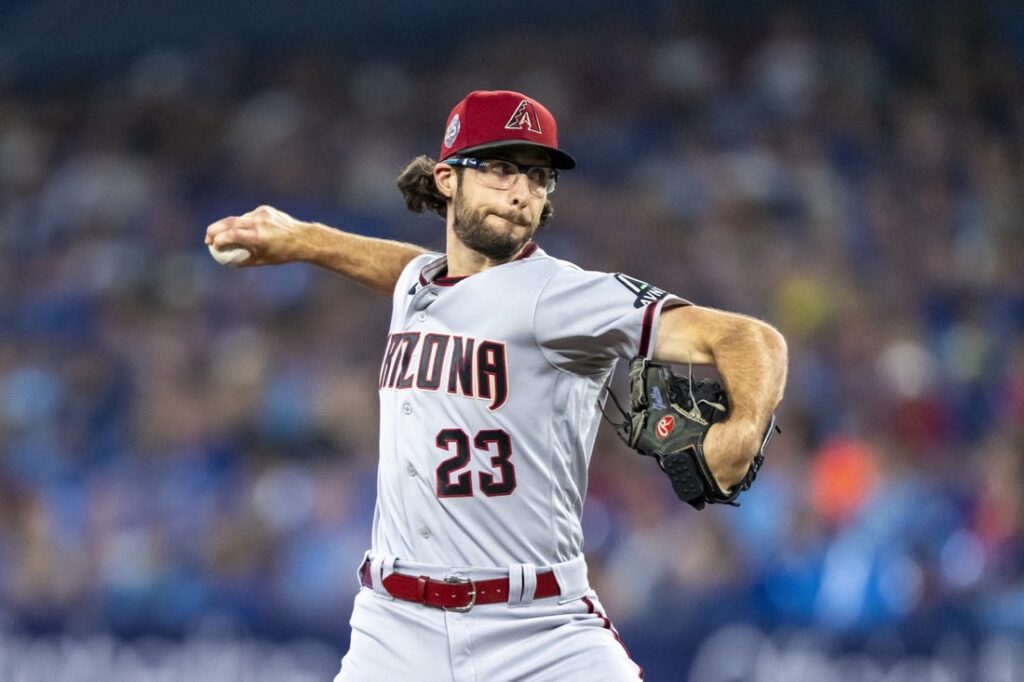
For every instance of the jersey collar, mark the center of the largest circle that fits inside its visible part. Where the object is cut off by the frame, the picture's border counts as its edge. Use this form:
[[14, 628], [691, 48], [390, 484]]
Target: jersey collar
[[436, 272]]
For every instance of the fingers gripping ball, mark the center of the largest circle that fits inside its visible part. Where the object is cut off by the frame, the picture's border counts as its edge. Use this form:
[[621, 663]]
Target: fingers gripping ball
[[668, 420], [230, 255]]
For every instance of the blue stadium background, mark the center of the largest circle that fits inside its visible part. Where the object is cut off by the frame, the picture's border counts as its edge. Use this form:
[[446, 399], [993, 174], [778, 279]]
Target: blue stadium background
[[187, 452]]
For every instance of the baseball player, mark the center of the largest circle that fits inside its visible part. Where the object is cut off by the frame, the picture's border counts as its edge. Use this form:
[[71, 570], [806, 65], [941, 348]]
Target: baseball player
[[490, 388]]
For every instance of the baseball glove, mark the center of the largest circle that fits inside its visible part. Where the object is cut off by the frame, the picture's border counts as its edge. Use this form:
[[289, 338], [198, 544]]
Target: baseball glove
[[669, 418]]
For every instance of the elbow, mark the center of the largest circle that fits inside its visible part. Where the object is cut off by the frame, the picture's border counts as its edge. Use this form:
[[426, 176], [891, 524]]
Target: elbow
[[778, 352], [763, 337], [775, 342]]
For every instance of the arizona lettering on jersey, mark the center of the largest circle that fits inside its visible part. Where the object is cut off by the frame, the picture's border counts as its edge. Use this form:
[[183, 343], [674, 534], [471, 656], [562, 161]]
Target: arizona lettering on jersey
[[488, 421], [464, 366]]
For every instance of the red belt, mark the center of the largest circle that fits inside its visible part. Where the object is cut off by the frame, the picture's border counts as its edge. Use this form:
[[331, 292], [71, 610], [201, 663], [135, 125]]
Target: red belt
[[456, 594]]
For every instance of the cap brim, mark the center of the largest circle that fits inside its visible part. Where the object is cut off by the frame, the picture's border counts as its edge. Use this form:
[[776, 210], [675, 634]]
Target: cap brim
[[559, 159]]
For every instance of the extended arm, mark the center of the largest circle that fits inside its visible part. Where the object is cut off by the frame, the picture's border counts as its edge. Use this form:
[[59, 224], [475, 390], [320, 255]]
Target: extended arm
[[274, 237], [751, 358]]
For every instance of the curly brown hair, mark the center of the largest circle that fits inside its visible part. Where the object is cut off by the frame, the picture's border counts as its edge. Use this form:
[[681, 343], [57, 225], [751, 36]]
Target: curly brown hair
[[420, 191]]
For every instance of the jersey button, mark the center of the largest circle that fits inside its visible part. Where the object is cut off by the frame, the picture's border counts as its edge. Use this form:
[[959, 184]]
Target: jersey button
[[411, 469], [421, 317], [406, 408], [425, 532]]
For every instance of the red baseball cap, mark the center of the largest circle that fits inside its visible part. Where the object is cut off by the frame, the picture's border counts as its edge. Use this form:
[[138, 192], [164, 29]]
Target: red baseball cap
[[488, 119]]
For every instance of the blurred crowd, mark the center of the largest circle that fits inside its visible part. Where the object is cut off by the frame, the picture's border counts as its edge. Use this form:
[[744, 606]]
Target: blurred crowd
[[186, 446]]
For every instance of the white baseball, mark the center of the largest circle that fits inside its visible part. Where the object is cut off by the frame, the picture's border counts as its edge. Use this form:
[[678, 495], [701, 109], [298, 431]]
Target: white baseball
[[230, 255]]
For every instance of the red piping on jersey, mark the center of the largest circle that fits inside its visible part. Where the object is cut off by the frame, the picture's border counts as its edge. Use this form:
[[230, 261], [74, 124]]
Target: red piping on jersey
[[608, 626], [528, 250], [445, 281], [645, 333]]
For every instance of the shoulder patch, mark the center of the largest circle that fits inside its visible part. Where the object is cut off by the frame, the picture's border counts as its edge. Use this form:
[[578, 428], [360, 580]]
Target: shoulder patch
[[645, 293]]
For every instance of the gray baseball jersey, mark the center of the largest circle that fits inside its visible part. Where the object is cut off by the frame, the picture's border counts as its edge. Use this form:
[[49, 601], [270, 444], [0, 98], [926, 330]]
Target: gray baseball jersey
[[490, 393]]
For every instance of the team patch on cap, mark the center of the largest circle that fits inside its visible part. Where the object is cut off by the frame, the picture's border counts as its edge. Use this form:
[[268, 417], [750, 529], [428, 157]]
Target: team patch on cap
[[525, 116], [452, 132]]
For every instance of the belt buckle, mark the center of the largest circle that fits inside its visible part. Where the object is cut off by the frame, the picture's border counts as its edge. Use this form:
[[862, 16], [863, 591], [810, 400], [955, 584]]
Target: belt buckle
[[460, 580]]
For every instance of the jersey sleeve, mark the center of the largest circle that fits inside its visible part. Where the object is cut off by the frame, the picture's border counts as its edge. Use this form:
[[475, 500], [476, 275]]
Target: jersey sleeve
[[405, 286], [585, 321], [410, 276]]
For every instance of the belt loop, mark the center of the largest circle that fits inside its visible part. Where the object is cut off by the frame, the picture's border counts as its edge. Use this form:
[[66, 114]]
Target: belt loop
[[529, 583], [381, 567], [522, 584], [421, 589], [515, 584], [572, 578]]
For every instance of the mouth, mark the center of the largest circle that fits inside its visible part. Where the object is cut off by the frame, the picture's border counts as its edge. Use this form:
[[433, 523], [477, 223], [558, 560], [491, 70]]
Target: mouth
[[514, 219]]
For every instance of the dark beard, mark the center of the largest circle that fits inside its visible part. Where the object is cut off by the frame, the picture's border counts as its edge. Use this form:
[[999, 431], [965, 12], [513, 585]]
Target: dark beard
[[469, 227]]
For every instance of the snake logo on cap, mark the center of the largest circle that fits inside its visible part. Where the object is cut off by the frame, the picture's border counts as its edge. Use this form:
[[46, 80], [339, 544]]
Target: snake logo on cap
[[524, 117]]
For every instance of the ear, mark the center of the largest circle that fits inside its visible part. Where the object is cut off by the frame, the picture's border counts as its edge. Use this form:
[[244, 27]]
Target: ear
[[445, 179]]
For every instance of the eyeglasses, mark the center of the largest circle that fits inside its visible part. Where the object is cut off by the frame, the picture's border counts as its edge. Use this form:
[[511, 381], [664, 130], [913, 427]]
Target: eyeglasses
[[501, 174]]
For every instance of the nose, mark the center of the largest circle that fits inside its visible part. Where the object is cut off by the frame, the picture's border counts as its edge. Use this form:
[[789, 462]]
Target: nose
[[519, 192]]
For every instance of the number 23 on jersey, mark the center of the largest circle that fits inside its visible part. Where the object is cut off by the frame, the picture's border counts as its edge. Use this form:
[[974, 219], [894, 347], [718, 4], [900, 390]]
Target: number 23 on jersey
[[453, 477]]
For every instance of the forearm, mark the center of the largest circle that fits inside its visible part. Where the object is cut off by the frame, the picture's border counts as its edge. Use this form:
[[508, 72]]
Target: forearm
[[372, 262], [752, 361], [273, 237]]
